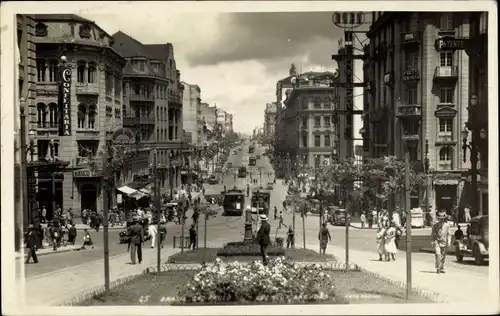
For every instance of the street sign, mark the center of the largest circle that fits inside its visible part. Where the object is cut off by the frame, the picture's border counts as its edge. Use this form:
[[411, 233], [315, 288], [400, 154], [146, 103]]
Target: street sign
[[450, 43]]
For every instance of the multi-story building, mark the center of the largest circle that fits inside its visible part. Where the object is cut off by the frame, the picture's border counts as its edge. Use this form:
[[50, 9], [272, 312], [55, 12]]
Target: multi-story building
[[152, 105], [94, 109], [270, 121], [416, 67], [229, 122], [308, 136], [209, 117], [191, 113], [26, 73]]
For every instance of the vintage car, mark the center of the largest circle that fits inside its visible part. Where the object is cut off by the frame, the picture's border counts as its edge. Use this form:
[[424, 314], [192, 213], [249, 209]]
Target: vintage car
[[213, 179], [124, 236], [270, 185], [337, 216], [229, 165], [252, 161], [475, 242]]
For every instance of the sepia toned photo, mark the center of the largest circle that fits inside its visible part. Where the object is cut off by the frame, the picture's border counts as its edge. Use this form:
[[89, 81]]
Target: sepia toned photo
[[205, 161]]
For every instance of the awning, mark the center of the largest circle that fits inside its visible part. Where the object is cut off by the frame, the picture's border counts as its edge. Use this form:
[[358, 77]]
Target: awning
[[137, 195], [147, 189], [127, 190], [446, 181]]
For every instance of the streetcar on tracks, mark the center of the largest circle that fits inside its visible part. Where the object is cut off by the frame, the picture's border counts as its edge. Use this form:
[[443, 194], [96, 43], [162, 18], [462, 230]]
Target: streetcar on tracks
[[233, 202]]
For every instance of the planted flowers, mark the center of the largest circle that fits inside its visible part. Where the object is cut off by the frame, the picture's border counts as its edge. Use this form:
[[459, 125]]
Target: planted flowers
[[279, 281]]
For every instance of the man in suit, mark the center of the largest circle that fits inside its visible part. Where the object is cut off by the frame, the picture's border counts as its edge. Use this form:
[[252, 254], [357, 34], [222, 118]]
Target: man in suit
[[136, 233], [263, 238], [31, 244]]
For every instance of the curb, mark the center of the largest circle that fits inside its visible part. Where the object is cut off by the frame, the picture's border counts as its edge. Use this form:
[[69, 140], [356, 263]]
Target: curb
[[51, 253], [450, 252], [100, 229]]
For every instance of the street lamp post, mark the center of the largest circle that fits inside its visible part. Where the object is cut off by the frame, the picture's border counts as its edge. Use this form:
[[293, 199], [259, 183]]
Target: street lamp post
[[24, 149], [157, 206], [427, 182]]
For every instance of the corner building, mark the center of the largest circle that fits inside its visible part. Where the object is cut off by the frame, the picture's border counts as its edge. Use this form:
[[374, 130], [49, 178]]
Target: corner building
[[416, 66], [95, 111]]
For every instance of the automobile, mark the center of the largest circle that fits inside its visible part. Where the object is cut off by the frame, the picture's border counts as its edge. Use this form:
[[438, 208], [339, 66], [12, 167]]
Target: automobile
[[270, 185], [235, 152], [338, 216], [242, 172], [213, 179], [124, 236], [252, 161], [229, 164], [475, 242]]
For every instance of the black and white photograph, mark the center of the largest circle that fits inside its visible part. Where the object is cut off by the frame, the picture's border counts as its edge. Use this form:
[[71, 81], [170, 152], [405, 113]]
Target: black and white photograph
[[249, 157]]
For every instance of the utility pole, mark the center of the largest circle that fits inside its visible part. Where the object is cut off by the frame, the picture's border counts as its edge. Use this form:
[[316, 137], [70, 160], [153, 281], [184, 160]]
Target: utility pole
[[408, 223], [205, 232], [105, 215], [158, 212], [304, 229]]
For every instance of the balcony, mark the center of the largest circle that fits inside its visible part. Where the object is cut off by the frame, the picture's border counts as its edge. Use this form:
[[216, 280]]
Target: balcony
[[410, 39], [445, 165], [86, 88], [445, 139], [174, 100], [141, 97], [411, 75], [46, 89], [141, 120], [412, 111], [82, 161], [47, 126], [446, 72]]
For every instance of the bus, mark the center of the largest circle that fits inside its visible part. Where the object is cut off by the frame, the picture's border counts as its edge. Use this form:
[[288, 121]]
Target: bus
[[252, 161], [242, 172], [265, 195], [233, 202]]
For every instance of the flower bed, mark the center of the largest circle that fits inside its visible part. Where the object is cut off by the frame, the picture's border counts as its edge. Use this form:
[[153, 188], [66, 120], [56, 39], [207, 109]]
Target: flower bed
[[248, 249], [280, 280]]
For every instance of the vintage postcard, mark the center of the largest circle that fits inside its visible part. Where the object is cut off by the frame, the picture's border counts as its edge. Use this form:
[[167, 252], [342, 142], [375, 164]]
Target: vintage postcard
[[219, 157]]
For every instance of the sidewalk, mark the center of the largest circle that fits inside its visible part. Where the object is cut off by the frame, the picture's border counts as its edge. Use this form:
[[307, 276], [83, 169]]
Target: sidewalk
[[48, 250], [456, 286]]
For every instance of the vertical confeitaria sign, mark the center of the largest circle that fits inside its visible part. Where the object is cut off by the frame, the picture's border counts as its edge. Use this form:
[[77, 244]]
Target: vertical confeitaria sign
[[65, 101]]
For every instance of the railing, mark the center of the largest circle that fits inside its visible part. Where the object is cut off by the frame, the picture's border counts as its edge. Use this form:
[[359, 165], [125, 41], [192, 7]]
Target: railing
[[174, 100], [446, 72], [445, 165], [86, 88], [48, 88], [141, 97], [444, 139], [47, 125], [409, 111], [144, 120]]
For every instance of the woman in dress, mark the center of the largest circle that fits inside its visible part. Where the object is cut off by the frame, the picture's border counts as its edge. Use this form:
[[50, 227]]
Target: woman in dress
[[380, 242], [324, 237], [389, 239]]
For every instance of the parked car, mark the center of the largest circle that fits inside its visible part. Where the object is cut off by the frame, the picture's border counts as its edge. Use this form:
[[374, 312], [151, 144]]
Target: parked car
[[338, 216], [270, 185], [213, 179], [476, 242]]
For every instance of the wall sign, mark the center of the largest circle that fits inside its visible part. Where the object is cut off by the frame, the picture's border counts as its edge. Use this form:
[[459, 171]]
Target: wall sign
[[449, 43], [85, 174], [411, 75], [65, 102]]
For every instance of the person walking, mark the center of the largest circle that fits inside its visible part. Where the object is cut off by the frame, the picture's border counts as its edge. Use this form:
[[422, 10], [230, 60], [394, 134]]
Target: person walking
[[459, 234], [163, 232], [281, 219], [275, 213], [263, 238], [467, 213], [441, 239], [454, 213], [87, 239], [136, 233], [195, 216], [54, 236], [324, 237], [363, 220], [290, 242], [32, 244], [44, 215], [390, 241], [192, 237], [380, 242], [72, 234], [369, 218], [153, 232]]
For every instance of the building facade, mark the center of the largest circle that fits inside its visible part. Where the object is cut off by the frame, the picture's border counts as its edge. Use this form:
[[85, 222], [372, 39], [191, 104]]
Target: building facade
[[192, 116], [416, 67], [308, 136], [270, 121], [152, 108], [95, 99]]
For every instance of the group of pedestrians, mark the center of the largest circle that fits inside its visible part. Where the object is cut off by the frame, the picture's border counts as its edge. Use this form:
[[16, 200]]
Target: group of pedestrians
[[388, 234]]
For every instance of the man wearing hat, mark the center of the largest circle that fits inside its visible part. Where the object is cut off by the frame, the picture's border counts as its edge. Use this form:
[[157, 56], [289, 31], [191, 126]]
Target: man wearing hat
[[263, 237], [31, 243], [441, 240], [136, 233]]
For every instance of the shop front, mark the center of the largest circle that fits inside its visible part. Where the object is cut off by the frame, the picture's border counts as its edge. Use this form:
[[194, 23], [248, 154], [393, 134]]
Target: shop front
[[88, 190]]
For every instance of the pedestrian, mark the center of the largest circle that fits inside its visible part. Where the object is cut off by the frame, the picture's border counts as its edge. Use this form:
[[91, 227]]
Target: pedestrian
[[41, 236], [98, 221], [369, 218], [163, 232], [44, 214], [454, 213], [324, 237], [72, 234], [153, 232], [87, 239], [192, 237], [136, 233], [390, 241], [396, 218], [195, 216], [399, 233], [275, 213], [467, 213], [54, 236], [32, 244], [380, 242], [363, 220], [263, 238], [440, 240], [290, 242], [281, 219]]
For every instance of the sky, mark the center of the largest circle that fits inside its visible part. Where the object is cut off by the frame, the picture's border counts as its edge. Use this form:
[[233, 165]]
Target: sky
[[237, 58]]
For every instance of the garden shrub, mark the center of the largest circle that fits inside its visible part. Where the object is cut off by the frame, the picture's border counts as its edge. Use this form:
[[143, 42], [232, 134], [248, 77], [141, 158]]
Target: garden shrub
[[278, 281], [248, 249]]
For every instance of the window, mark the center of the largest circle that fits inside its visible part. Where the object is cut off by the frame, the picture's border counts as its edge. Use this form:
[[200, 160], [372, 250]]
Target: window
[[446, 95], [53, 115], [446, 22], [142, 65], [92, 73], [53, 70], [41, 114], [327, 102], [117, 113], [124, 111], [304, 121], [87, 148], [125, 90], [411, 61], [118, 87], [411, 95], [80, 72], [43, 148], [327, 140], [136, 88], [445, 154], [82, 114], [317, 103], [109, 84], [305, 103], [55, 149], [327, 120], [41, 69], [317, 160], [317, 121], [445, 125], [304, 140], [317, 140], [446, 59]]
